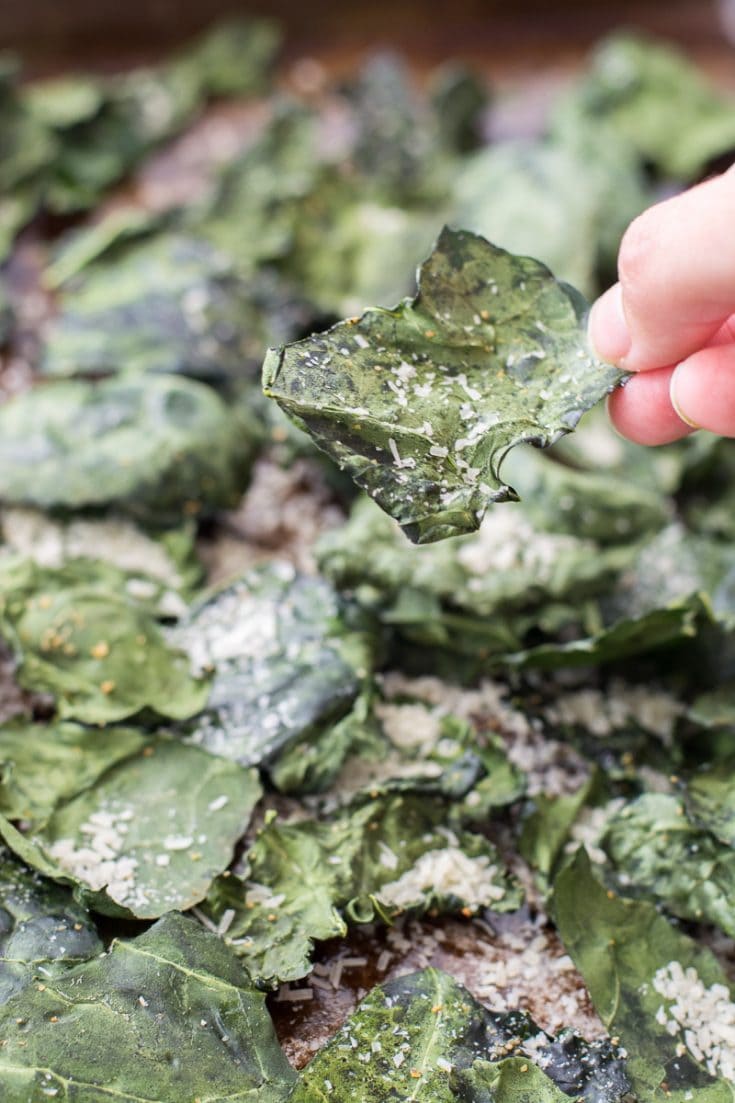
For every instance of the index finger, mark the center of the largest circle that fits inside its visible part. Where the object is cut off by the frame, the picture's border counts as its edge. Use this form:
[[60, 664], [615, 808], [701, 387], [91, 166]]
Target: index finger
[[677, 280]]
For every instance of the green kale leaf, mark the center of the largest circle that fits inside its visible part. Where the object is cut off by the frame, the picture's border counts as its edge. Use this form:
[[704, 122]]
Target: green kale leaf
[[420, 404], [43, 931], [657, 851], [150, 835], [290, 658], [99, 653], [651, 96], [649, 982], [423, 1037], [376, 858], [163, 1017], [142, 446]]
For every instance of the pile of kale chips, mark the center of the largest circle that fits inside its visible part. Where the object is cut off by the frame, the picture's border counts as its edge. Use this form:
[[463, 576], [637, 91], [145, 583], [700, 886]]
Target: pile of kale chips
[[152, 889]]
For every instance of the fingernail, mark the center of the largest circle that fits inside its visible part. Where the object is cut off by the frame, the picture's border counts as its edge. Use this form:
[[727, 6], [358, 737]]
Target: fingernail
[[675, 396], [607, 328]]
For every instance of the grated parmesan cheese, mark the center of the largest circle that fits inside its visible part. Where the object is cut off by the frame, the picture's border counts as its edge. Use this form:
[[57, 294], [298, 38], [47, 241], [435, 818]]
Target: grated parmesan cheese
[[702, 1018], [447, 872]]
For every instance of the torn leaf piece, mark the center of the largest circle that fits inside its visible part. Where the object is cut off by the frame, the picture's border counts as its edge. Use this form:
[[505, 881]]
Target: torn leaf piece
[[658, 852], [653, 987], [164, 1017], [289, 657], [423, 1037], [144, 446], [42, 930], [287, 903], [651, 96], [150, 836], [96, 650], [380, 856], [421, 403]]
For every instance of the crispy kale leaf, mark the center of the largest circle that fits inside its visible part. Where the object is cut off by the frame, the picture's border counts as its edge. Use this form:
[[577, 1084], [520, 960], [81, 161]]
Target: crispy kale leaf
[[83, 639], [42, 929], [149, 835], [166, 1016], [420, 404], [290, 658], [423, 1037], [649, 983], [657, 851], [649, 95], [374, 859], [141, 446]]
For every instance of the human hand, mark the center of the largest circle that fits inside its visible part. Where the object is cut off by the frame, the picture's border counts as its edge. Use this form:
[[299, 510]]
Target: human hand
[[671, 318]]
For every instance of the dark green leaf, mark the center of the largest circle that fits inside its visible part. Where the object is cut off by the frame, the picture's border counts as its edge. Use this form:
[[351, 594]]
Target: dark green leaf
[[289, 658], [650, 95], [632, 961], [144, 447], [421, 404], [459, 97], [161, 1018], [42, 930]]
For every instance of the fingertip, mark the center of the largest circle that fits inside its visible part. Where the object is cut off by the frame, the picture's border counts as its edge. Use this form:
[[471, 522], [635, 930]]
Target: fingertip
[[607, 329], [702, 390], [642, 410]]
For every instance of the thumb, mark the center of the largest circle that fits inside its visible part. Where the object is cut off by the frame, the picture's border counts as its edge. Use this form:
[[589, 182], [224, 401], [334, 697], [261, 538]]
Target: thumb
[[677, 280]]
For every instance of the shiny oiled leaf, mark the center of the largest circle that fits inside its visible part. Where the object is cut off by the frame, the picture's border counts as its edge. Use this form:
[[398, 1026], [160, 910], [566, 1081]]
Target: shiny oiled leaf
[[165, 1017], [289, 657], [42, 929], [657, 851], [423, 1037], [650, 985], [151, 835], [142, 446], [420, 404], [101, 656]]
